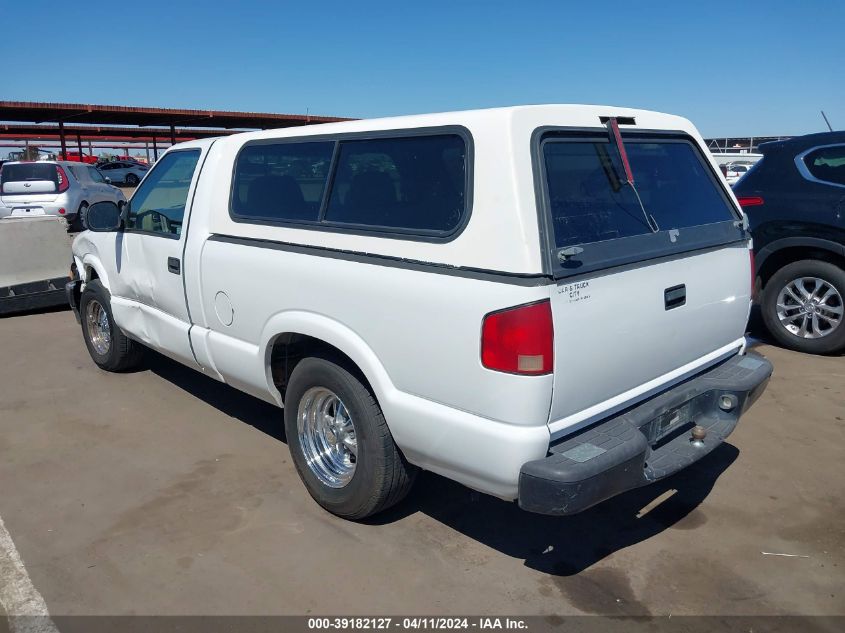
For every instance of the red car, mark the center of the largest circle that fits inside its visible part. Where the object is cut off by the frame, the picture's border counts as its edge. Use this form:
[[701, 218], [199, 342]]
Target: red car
[[81, 158]]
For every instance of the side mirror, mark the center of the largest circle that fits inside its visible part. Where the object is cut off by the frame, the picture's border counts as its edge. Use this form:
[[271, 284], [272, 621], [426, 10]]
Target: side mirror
[[104, 217], [108, 180]]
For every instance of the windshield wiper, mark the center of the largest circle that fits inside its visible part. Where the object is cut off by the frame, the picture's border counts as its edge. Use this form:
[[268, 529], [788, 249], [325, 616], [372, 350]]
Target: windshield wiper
[[616, 137]]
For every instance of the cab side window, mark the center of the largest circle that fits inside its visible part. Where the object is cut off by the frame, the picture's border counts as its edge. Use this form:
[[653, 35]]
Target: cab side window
[[158, 205]]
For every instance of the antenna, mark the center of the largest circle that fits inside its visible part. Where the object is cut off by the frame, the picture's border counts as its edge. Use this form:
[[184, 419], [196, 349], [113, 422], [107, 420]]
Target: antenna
[[826, 121]]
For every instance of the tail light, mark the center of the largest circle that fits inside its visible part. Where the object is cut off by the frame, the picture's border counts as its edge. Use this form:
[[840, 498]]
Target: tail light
[[61, 176], [750, 201], [519, 340]]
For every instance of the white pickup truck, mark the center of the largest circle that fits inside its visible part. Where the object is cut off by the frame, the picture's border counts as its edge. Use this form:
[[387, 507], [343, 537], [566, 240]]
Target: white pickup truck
[[544, 303]]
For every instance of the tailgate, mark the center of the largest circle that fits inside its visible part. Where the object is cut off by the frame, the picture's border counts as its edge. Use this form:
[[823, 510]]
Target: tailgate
[[652, 264], [618, 332]]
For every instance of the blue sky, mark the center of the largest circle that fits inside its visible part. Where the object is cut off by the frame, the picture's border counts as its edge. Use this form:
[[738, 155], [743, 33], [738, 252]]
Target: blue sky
[[734, 68]]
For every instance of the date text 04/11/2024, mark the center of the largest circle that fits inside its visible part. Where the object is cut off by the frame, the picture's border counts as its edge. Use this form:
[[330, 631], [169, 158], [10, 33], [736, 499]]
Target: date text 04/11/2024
[[416, 623]]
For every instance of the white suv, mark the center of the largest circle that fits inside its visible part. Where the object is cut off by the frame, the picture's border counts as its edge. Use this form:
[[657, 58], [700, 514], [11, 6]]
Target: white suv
[[544, 303]]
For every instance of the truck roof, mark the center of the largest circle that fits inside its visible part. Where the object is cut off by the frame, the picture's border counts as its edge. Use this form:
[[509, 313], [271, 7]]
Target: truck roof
[[526, 116]]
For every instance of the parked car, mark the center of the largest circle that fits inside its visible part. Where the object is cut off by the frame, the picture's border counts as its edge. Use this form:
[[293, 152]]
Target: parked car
[[735, 171], [480, 294], [129, 173], [76, 157], [60, 188], [795, 201], [126, 158]]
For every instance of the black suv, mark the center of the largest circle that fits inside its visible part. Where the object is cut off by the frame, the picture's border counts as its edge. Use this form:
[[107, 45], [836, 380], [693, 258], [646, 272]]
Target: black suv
[[795, 201]]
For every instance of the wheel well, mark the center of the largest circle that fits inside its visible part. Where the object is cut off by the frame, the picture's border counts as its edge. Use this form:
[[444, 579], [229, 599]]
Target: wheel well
[[291, 347], [92, 273], [785, 256]]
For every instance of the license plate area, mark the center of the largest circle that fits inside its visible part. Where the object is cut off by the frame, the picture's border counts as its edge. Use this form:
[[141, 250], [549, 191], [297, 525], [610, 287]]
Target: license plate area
[[668, 425], [24, 211]]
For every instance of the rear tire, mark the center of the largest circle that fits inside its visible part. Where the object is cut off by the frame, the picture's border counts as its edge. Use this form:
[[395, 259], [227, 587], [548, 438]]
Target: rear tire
[[80, 222], [380, 477], [109, 348], [132, 180], [788, 332], [82, 216]]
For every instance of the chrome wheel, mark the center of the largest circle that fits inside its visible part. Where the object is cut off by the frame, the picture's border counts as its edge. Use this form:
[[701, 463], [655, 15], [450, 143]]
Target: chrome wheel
[[97, 322], [809, 307], [327, 437], [99, 331]]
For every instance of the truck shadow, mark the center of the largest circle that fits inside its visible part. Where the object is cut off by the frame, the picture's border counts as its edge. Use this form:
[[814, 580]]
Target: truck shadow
[[260, 415], [560, 546], [564, 546]]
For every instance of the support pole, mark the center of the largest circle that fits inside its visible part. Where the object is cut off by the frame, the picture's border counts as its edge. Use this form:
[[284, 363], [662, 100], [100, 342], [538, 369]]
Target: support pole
[[172, 134], [62, 137], [155, 150], [79, 145]]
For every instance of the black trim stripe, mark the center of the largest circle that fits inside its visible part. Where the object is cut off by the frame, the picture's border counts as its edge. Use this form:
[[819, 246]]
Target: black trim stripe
[[496, 276]]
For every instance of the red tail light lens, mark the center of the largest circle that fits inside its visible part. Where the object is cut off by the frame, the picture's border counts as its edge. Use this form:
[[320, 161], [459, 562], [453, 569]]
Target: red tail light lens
[[519, 340], [61, 176], [750, 201]]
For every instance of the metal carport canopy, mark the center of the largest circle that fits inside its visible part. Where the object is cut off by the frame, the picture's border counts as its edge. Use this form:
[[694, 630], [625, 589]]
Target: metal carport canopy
[[32, 112], [51, 132], [90, 114]]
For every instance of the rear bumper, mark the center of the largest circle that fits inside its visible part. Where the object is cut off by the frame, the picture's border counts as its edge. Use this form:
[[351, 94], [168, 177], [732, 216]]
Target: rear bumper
[[40, 208], [646, 443]]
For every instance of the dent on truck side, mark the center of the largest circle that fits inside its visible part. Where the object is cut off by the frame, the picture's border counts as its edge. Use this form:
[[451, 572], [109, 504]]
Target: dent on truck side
[[88, 262]]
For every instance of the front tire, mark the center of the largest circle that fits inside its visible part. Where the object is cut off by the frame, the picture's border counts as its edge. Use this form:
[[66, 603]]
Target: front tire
[[802, 307], [109, 348], [339, 440]]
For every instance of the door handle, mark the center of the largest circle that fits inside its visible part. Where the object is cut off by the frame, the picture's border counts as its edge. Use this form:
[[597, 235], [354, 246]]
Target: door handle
[[173, 265], [675, 297]]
